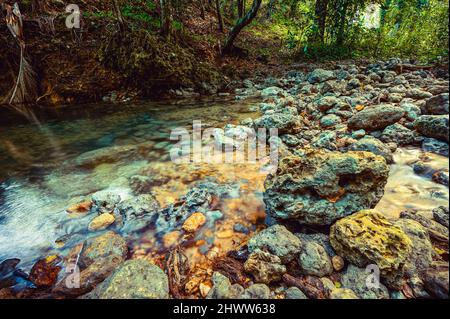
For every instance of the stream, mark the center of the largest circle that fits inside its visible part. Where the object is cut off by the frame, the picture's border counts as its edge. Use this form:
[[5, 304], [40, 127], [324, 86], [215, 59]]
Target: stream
[[39, 180]]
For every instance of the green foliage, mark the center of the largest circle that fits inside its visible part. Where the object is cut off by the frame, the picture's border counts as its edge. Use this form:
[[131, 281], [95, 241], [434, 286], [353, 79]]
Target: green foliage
[[405, 28], [141, 12]]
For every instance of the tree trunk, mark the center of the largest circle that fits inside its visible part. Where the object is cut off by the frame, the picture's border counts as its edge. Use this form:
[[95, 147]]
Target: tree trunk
[[165, 17], [240, 6], [202, 9], [342, 22], [219, 16], [241, 24], [118, 13], [270, 9], [321, 12]]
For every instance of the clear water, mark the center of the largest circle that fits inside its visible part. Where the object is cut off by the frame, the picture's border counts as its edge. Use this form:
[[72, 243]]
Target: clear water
[[38, 181]]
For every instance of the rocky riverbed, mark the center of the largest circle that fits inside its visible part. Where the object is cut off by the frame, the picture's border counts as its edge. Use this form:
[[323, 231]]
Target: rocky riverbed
[[360, 192]]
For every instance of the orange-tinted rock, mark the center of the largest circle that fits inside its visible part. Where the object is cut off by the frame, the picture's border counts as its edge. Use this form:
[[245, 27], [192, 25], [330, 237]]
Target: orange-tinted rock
[[45, 272], [80, 208], [194, 222]]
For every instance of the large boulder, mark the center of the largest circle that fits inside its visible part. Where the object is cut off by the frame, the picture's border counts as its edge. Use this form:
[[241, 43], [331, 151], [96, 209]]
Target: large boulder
[[278, 241], [134, 279], [367, 237], [376, 118], [321, 187], [435, 126]]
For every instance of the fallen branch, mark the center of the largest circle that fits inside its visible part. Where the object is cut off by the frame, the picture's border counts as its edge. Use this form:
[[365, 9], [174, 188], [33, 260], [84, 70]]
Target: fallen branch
[[311, 286]]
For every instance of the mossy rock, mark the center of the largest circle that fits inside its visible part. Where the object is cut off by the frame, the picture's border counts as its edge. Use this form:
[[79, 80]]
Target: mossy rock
[[367, 237]]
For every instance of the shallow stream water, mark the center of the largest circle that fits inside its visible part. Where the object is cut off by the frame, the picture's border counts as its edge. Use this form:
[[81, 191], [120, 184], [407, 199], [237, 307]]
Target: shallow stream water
[[38, 179]]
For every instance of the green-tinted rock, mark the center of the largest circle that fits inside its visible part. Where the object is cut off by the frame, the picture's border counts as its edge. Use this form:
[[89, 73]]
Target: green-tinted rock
[[278, 241], [134, 279], [321, 187]]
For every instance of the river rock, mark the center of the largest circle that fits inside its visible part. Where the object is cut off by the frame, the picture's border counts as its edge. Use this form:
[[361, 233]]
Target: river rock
[[376, 118], [285, 121], [436, 280], [434, 146], [326, 139], [435, 126], [318, 238], [223, 289], [314, 260], [101, 222], [343, 293], [278, 241], [96, 259], [45, 271], [330, 120], [134, 279], [273, 91], [421, 256], [321, 187], [264, 267], [367, 237], [440, 214], [418, 94], [436, 231], [294, 293], [412, 111], [138, 212], [257, 291], [338, 263], [356, 279], [437, 105], [194, 222], [375, 146], [105, 201], [7, 272], [111, 154], [398, 134], [320, 75], [326, 102], [441, 177], [196, 200], [141, 184]]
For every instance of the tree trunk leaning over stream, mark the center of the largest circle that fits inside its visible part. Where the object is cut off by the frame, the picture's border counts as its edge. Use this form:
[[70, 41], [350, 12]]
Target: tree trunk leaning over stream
[[241, 24]]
